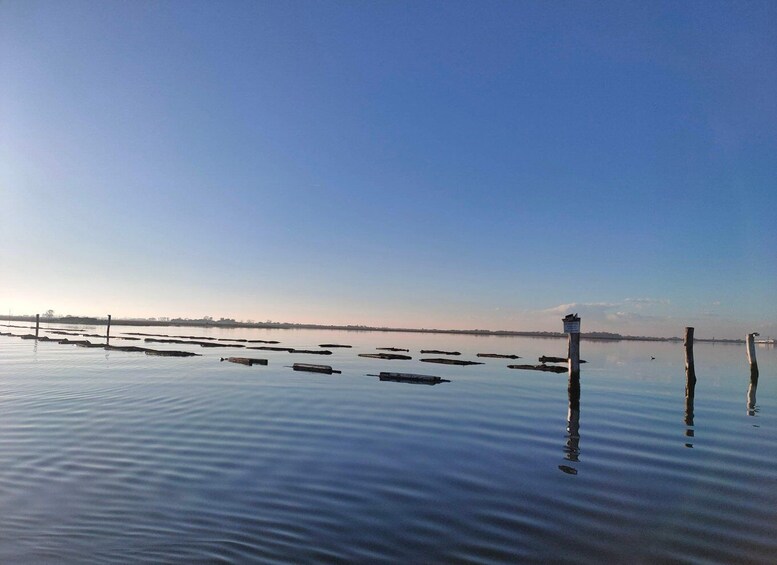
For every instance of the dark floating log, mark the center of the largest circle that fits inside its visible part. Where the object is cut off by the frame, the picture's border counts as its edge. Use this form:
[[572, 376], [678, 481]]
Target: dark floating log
[[28, 336], [549, 368], [250, 361], [87, 343], [546, 359], [385, 356], [230, 339], [129, 348], [269, 348], [185, 342], [438, 352], [391, 349], [451, 361], [334, 345], [412, 378], [129, 338], [161, 353], [263, 341], [310, 368], [567, 469], [311, 351], [498, 356], [62, 332]]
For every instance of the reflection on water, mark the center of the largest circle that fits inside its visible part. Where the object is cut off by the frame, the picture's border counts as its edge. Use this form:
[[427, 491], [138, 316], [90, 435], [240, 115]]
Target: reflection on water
[[690, 391], [572, 447], [751, 408]]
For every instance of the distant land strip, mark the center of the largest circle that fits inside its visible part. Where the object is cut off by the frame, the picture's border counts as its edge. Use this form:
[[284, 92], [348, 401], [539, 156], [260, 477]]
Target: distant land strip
[[230, 323]]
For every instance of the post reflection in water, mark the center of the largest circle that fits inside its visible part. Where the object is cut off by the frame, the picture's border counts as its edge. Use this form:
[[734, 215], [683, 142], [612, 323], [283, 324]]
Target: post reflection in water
[[572, 447], [751, 409], [690, 389]]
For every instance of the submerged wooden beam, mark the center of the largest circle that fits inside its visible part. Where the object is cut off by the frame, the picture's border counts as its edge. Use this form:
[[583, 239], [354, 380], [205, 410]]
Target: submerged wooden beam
[[311, 351], [548, 368], [546, 359], [451, 361], [439, 352], [498, 356], [412, 378], [311, 368], [391, 349], [162, 353], [385, 356], [334, 345], [270, 348], [250, 361]]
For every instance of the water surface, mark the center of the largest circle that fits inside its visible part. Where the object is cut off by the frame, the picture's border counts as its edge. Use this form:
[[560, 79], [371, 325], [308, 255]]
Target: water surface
[[117, 457]]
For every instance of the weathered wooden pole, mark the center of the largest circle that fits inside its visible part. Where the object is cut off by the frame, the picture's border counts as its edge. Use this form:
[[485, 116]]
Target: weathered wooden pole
[[37, 325], [108, 331], [750, 342], [572, 329], [690, 370]]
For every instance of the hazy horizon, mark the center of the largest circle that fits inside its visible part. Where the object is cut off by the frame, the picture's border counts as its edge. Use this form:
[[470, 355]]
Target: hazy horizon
[[441, 164]]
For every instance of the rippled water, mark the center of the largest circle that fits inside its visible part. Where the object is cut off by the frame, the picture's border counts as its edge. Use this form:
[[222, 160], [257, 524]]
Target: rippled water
[[109, 456]]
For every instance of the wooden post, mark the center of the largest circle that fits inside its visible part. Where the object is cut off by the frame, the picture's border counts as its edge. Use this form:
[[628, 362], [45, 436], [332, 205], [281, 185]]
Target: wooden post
[[574, 355], [37, 325], [750, 341], [690, 370], [108, 331], [572, 329]]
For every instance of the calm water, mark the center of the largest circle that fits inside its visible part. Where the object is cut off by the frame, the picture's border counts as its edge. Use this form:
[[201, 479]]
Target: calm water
[[120, 457]]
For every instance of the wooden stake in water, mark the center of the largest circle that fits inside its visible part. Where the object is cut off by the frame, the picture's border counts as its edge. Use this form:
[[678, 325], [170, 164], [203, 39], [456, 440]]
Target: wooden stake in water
[[750, 341], [37, 325], [108, 331], [572, 329], [690, 370]]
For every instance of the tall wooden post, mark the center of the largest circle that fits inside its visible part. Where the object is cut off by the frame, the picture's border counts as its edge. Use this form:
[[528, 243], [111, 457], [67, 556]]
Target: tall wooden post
[[108, 331], [572, 329], [750, 342], [37, 325], [690, 370]]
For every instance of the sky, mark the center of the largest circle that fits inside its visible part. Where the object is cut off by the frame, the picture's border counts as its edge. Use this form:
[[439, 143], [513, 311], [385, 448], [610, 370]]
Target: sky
[[465, 165]]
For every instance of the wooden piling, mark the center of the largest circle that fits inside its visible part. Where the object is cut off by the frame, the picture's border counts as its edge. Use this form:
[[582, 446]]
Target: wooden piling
[[108, 331], [573, 420], [690, 370], [574, 355], [750, 341], [37, 325]]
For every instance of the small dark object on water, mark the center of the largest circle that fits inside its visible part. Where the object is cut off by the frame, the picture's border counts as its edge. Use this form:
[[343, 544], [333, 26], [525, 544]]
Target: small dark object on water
[[391, 349], [333, 345], [498, 356], [438, 352], [545, 359], [130, 348], [268, 348], [262, 341], [311, 351], [162, 353], [652, 358], [250, 361], [548, 368], [310, 368], [412, 378], [567, 469], [384, 356], [451, 361]]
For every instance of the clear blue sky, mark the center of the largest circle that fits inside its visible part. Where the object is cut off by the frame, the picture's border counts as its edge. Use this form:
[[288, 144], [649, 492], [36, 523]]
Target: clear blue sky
[[428, 164]]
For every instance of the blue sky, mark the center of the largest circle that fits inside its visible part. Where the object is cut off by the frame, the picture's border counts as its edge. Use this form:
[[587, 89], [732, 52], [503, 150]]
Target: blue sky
[[426, 164]]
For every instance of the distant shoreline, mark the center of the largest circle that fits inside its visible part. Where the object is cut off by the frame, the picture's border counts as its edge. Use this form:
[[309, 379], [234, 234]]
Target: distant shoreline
[[232, 324]]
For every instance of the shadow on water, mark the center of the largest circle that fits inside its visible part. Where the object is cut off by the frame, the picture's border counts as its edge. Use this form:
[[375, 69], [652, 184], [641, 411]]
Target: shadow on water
[[690, 391], [572, 447], [751, 408]]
